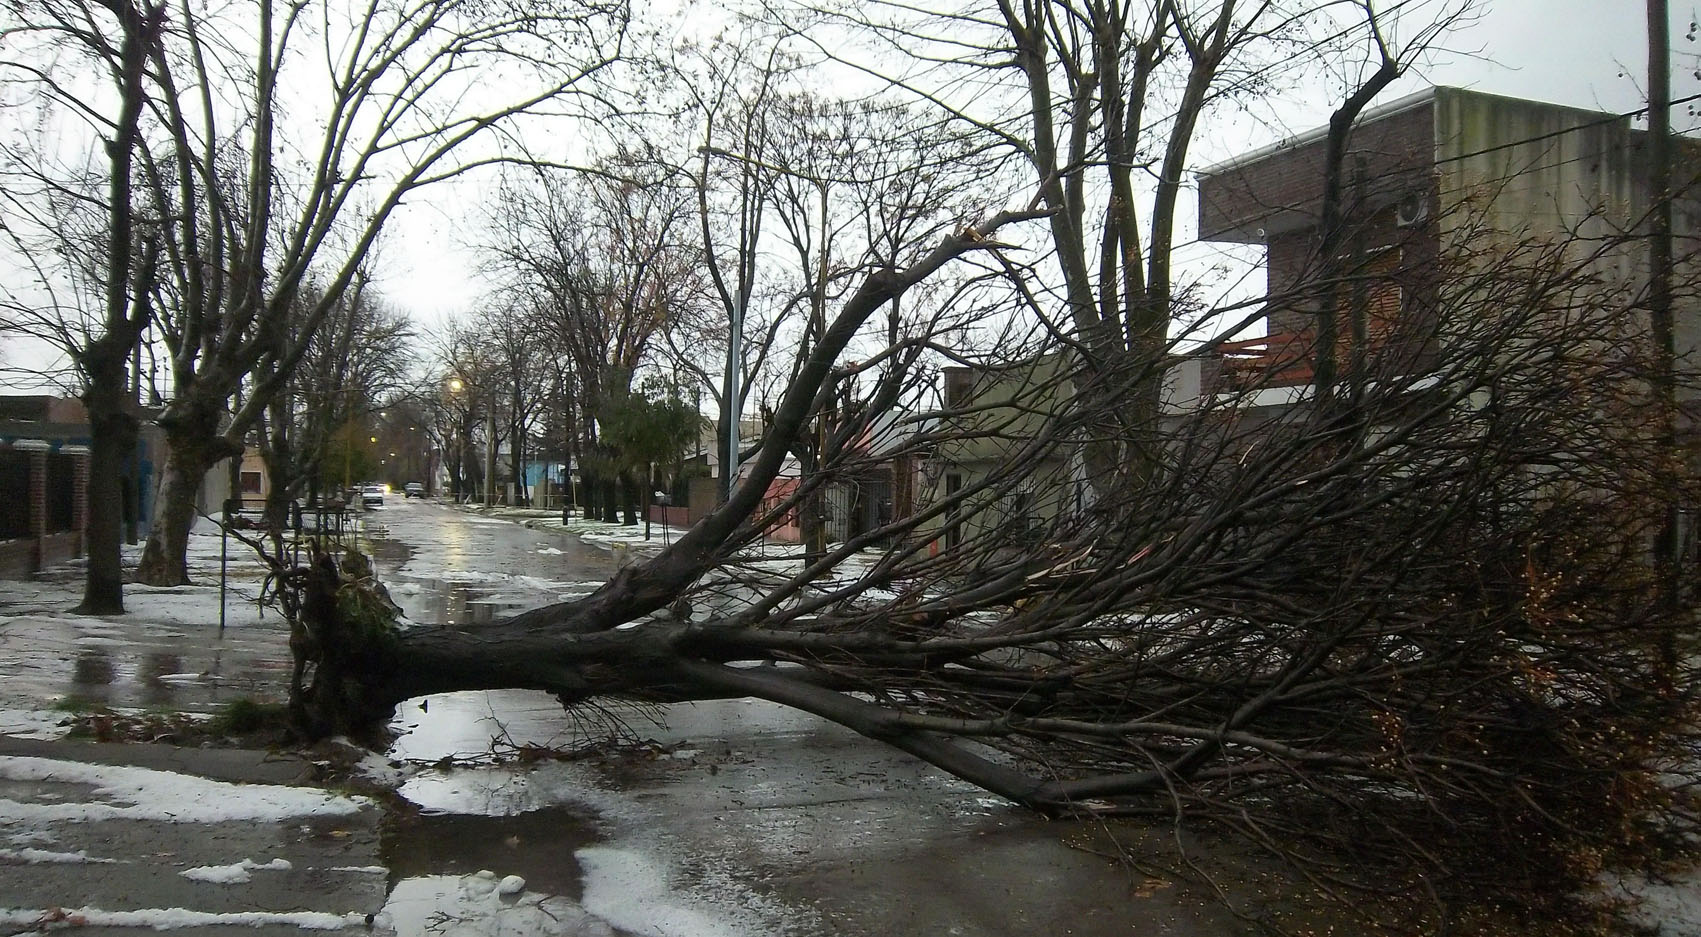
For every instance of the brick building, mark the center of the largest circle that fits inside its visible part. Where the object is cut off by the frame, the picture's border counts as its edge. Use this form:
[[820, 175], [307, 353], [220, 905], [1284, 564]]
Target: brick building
[[1438, 175], [44, 471]]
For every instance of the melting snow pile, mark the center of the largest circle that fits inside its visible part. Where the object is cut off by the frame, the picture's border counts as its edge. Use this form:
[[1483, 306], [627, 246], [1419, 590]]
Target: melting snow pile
[[144, 794], [235, 874]]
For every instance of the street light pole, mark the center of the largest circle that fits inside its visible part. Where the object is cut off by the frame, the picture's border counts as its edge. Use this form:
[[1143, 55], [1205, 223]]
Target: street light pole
[[730, 409], [456, 385], [734, 357], [490, 455], [816, 529]]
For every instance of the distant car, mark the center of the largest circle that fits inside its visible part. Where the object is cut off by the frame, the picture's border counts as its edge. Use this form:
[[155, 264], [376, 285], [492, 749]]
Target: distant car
[[372, 496], [413, 490]]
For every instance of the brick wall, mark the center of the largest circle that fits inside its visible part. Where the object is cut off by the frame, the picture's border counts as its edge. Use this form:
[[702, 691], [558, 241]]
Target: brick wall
[[22, 557], [38, 493], [58, 548], [1276, 199], [80, 490], [1283, 191]]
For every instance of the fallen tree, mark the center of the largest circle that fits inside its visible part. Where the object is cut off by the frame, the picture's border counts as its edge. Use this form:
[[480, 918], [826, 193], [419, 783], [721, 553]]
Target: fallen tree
[[1414, 631]]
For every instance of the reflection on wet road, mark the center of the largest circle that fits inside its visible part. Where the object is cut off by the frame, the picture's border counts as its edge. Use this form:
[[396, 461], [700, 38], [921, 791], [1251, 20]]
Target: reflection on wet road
[[181, 663], [444, 566], [446, 861]]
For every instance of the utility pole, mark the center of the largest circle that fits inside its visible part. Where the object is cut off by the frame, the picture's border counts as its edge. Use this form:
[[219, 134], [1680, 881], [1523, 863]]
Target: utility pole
[[490, 454], [1659, 306]]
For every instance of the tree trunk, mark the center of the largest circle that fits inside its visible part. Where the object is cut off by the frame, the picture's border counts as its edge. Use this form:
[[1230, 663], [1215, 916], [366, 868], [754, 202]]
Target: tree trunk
[[112, 444], [517, 464], [611, 499], [191, 455], [628, 488], [587, 494]]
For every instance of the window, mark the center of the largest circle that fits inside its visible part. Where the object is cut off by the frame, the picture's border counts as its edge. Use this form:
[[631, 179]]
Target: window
[[959, 382], [251, 483], [1376, 284], [1018, 518], [953, 528]]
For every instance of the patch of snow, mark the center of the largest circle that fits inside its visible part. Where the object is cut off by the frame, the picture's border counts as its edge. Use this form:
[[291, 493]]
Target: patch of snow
[[633, 893], [146, 794], [32, 724], [551, 551], [1659, 905], [48, 857], [511, 885], [381, 771], [238, 873], [173, 918], [178, 679]]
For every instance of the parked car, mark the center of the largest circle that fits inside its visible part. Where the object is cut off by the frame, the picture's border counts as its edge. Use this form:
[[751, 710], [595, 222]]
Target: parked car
[[413, 490], [372, 496]]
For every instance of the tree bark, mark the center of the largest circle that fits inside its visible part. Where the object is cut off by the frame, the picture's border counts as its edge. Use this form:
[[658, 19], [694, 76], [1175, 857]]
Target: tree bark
[[194, 448], [112, 429], [627, 486], [112, 443]]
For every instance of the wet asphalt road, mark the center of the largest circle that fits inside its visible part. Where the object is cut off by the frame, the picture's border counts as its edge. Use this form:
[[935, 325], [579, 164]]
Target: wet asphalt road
[[740, 817], [726, 819], [445, 566]]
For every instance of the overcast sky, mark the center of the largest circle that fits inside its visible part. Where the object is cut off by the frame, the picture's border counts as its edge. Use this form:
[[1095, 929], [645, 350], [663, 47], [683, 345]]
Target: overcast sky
[[1582, 53]]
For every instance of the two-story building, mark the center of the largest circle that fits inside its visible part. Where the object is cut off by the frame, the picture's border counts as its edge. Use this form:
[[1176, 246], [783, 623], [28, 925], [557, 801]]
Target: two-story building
[[1439, 192], [1434, 186]]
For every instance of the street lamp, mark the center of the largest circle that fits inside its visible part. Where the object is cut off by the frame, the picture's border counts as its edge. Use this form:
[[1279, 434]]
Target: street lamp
[[456, 385]]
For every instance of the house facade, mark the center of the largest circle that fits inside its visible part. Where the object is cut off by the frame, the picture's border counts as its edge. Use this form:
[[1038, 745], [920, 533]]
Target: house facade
[[1433, 186], [44, 472], [1001, 468], [44, 466], [1439, 192]]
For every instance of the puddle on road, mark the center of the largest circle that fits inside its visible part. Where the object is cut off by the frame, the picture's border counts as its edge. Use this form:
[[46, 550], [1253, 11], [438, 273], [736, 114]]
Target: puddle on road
[[537, 845], [468, 829]]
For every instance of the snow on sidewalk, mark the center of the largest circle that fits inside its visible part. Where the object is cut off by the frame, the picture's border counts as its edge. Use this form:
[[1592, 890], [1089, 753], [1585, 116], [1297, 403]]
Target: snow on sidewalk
[[114, 845]]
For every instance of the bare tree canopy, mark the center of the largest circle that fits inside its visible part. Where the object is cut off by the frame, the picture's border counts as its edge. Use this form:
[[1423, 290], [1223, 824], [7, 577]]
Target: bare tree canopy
[[382, 101]]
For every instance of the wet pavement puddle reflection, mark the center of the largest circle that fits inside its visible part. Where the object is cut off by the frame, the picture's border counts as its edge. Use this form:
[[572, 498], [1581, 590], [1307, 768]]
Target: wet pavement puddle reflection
[[447, 870], [468, 827]]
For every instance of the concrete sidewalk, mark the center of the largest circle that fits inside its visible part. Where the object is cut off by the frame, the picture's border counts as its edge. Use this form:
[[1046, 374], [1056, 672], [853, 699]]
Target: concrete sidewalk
[[117, 838]]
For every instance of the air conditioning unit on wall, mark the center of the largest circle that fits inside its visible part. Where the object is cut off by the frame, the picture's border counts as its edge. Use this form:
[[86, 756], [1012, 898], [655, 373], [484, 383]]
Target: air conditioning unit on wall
[[1412, 209]]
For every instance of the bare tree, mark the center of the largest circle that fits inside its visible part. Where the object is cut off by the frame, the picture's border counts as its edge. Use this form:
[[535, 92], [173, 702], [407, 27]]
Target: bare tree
[[608, 271], [466, 389], [360, 356], [516, 339], [96, 307], [398, 113], [1405, 644], [1418, 633]]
